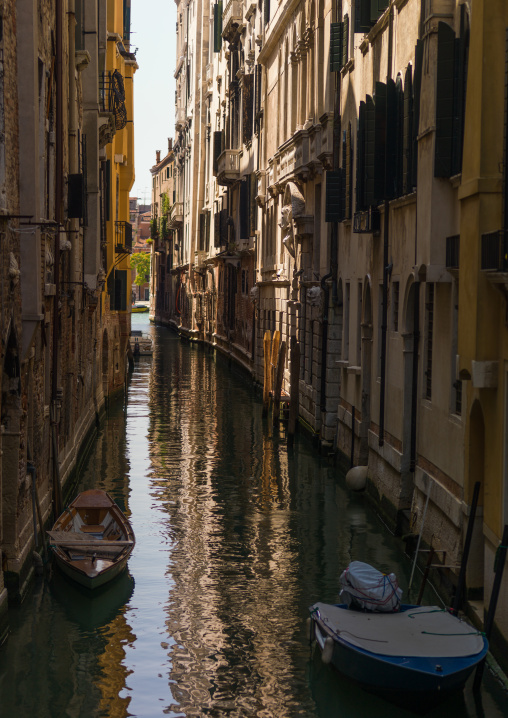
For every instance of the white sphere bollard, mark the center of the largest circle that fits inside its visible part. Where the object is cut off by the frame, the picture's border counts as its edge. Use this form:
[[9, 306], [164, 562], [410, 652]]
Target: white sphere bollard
[[356, 478]]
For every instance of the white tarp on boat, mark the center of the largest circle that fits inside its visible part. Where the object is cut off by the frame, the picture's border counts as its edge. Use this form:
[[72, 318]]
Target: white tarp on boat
[[366, 587], [424, 631]]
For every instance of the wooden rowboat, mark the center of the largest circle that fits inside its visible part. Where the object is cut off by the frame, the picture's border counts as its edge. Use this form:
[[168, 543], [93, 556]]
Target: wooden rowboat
[[92, 539]]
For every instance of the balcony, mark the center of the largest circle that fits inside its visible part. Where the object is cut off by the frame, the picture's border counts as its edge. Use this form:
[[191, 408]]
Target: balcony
[[228, 167], [123, 237], [176, 215], [232, 19], [112, 97], [180, 118], [452, 253]]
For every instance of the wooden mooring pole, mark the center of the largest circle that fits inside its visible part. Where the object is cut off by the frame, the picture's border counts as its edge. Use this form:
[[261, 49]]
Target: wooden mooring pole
[[294, 389], [267, 375], [278, 382], [499, 563]]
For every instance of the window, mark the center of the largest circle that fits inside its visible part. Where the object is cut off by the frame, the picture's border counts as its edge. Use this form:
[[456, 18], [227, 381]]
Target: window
[[395, 306], [359, 326], [367, 13], [345, 341]]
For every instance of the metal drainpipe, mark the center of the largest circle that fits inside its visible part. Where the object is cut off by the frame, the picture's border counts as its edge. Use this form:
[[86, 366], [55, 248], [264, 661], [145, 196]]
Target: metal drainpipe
[[59, 220], [386, 227], [384, 326], [414, 388], [324, 341], [334, 239]]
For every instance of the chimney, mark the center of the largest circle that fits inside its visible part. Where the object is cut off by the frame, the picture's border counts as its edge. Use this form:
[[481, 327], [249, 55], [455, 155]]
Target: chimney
[[170, 144], [157, 156]]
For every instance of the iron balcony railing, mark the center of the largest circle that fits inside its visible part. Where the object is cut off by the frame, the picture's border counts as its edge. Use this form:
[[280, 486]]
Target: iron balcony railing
[[494, 255], [112, 97], [123, 237]]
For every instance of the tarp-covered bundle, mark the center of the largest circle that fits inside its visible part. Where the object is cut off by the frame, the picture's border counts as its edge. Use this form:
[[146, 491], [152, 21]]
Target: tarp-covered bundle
[[363, 586]]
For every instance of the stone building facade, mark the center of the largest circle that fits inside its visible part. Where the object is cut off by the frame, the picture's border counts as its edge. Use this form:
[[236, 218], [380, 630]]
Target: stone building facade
[[327, 160], [58, 357]]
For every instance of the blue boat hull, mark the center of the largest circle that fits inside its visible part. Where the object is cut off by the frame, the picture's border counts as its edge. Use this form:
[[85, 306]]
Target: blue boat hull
[[413, 681]]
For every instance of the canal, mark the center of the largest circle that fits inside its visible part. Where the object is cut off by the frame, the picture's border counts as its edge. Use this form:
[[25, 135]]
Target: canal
[[236, 538]]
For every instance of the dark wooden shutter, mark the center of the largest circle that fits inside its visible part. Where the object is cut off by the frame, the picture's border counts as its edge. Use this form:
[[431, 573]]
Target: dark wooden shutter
[[121, 290], [444, 100], [407, 133], [416, 108], [266, 11], [336, 30], [217, 26], [334, 200], [111, 289], [107, 191], [258, 80], [75, 196], [247, 107], [391, 180], [505, 153], [244, 208], [345, 40], [223, 227], [380, 103], [217, 149], [362, 16], [370, 153], [360, 159], [216, 229]]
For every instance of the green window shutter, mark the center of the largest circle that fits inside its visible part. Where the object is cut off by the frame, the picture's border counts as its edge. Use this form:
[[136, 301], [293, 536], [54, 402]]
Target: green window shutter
[[217, 26], [370, 152], [111, 289], [121, 290], [336, 46], [417, 84], [360, 159], [379, 142], [444, 100], [247, 107], [382, 5], [217, 149], [391, 180], [334, 200], [266, 11], [345, 40], [407, 134], [362, 16]]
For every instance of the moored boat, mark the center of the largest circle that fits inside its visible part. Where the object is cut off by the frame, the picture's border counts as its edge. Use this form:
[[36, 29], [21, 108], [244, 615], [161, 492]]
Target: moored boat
[[411, 655], [92, 539], [141, 344]]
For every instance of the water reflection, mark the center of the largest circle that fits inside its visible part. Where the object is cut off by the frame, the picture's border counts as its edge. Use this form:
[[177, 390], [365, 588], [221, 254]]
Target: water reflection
[[236, 537]]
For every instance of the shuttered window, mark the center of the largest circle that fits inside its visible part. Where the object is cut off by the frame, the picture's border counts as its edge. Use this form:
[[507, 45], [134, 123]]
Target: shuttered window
[[247, 107], [335, 196], [348, 166], [253, 215], [336, 29], [379, 152], [407, 134], [370, 153], [416, 108], [218, 144], [360, 159], [217, 26], [444, 100], [367, 13]]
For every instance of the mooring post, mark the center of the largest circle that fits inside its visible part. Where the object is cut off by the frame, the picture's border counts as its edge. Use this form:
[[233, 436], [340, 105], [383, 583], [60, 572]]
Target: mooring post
[[499, 563], [278, 382], [267, 375], [294, 389]]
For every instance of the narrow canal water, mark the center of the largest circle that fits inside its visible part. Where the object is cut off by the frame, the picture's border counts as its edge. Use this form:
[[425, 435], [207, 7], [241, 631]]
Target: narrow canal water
[[236, 538]]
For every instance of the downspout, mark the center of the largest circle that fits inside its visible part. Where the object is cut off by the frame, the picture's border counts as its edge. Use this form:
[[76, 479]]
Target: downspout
[[56, 398], [414, 387], [334, 239], [386, 269]]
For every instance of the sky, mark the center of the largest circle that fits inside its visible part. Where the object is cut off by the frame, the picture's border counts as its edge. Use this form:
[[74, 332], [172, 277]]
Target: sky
[[153, 33]]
